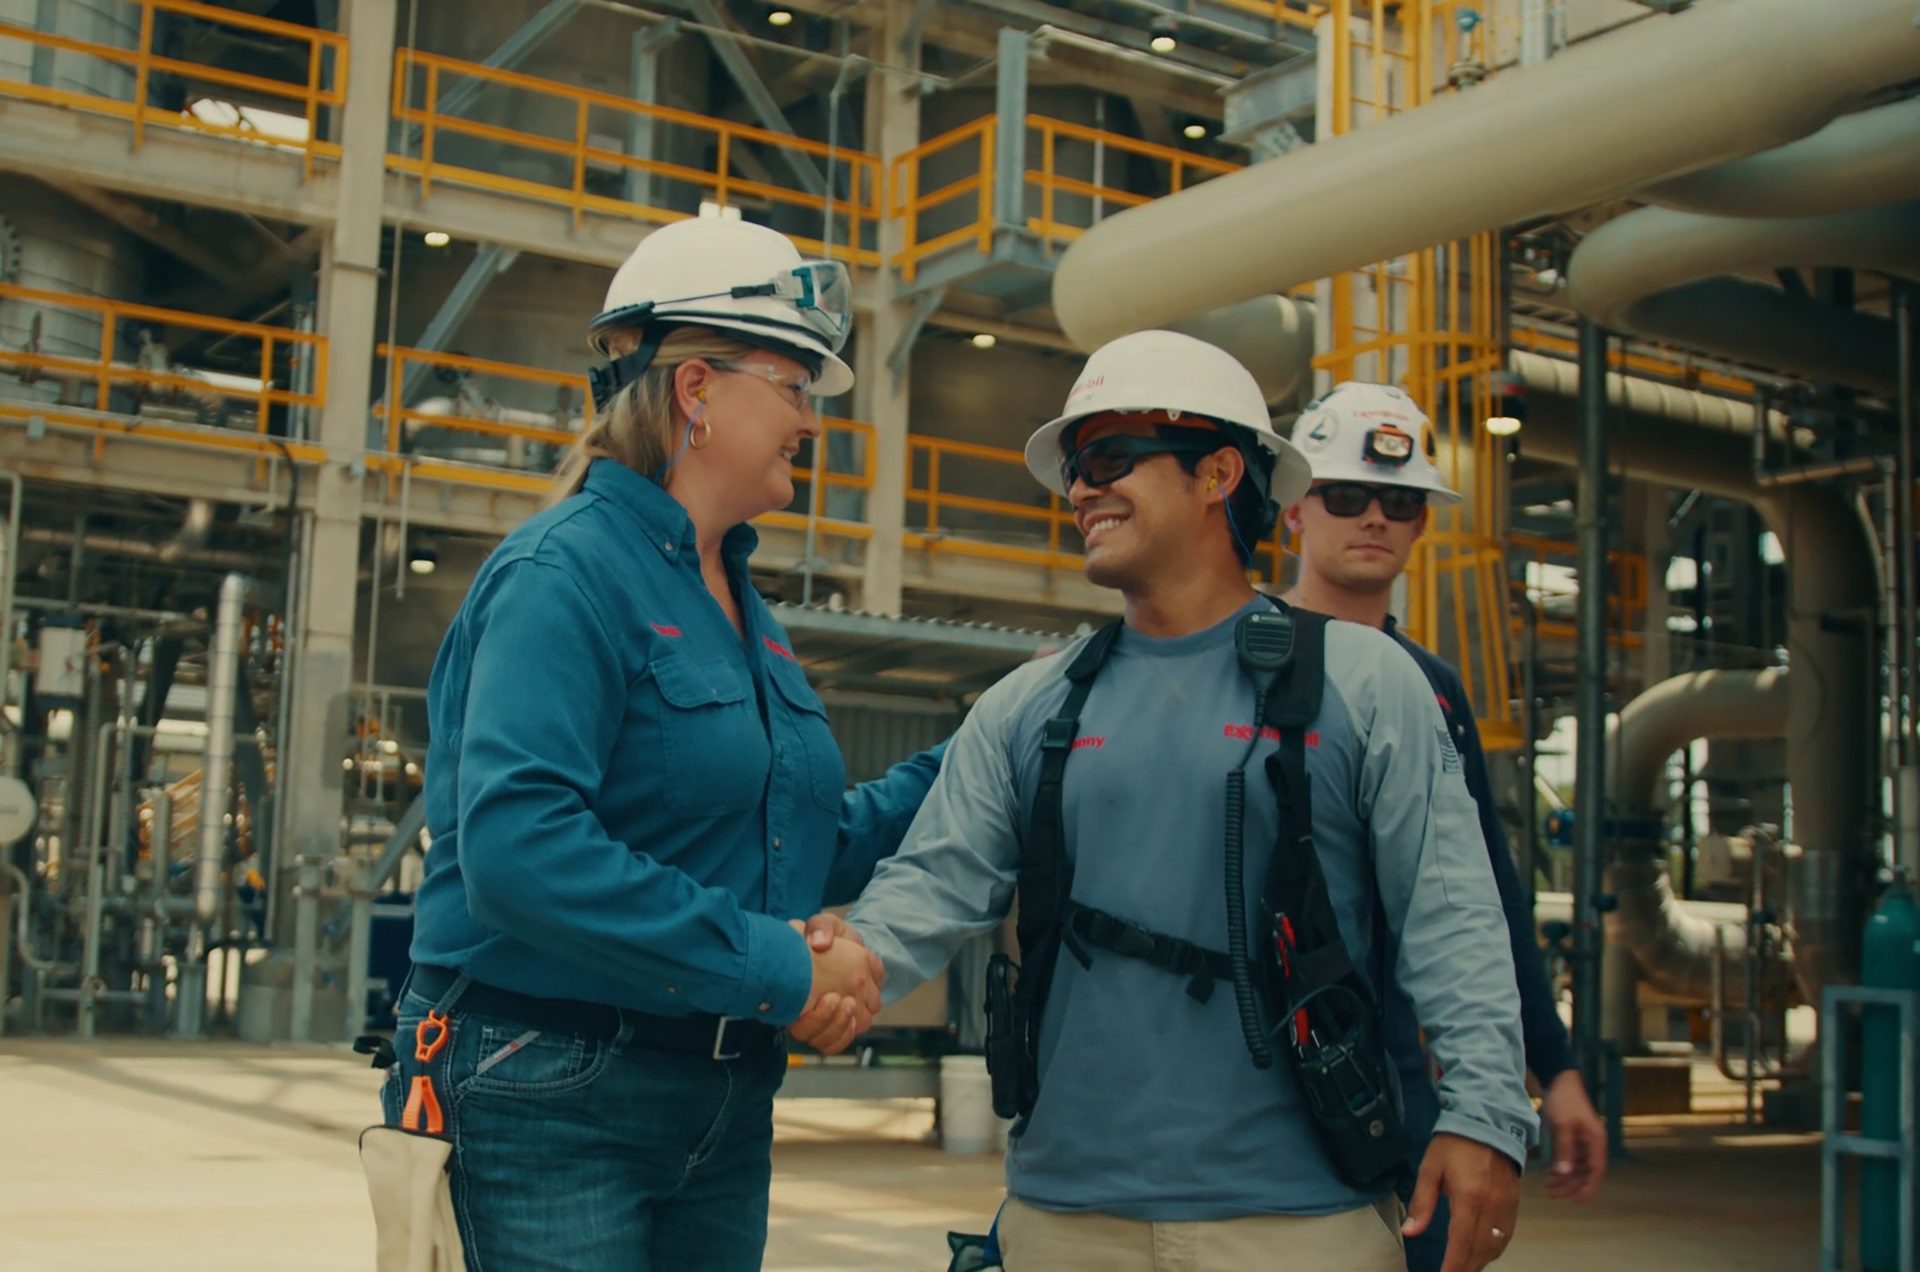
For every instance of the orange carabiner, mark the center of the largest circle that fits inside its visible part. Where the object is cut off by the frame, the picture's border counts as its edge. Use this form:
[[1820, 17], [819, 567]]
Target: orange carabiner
[[430, 1036]]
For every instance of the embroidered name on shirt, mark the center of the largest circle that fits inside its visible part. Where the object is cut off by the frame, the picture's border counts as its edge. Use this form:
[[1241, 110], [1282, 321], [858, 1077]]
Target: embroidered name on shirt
[[781, 650], [1088, 744], [1244, 733], [666, 629]]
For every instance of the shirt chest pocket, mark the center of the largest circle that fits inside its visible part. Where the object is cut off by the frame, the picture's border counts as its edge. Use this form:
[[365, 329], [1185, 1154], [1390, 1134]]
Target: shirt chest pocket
[[711, 744], [824, 772]]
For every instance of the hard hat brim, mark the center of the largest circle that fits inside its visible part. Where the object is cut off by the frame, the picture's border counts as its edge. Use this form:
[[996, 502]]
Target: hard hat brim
[[1291, 472]]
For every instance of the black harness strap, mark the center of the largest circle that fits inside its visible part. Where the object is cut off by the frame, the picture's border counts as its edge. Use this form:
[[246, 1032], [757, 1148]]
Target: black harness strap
[[1088, 926]]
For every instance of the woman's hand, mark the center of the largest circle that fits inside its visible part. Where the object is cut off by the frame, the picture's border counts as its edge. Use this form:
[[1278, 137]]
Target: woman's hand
[[846, 986]]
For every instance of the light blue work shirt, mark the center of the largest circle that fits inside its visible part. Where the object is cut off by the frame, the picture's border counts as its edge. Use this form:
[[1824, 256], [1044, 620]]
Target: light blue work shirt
[[627, 801], [1149, 1105]]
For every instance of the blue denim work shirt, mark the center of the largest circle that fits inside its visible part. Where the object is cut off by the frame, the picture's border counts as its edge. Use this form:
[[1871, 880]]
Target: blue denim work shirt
[[626, 800]]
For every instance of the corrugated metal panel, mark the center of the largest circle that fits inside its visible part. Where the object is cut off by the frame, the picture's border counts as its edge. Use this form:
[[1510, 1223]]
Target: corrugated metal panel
[[876, 733]]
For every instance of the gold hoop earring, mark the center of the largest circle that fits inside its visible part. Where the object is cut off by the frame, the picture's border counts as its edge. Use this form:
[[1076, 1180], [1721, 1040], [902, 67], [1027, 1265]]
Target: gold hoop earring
[[700, 434]]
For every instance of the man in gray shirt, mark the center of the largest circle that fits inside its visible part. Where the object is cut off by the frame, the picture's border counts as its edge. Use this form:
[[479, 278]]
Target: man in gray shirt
[[1154, 1141]]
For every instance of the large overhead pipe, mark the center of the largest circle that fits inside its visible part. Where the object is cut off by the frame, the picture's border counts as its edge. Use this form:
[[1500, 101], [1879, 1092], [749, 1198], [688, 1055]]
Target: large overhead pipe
[[1832, 588], [1655, 273], [223, 690], [1658, 99], [1856, 161]]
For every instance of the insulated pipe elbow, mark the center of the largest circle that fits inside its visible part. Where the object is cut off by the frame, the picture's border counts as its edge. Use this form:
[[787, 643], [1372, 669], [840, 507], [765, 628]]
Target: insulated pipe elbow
[[1666, 96], [1675, 950]]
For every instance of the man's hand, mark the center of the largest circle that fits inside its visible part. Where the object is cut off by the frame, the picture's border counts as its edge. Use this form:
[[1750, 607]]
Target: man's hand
[[1483, 1188], [1579, 1139], [846, 986]]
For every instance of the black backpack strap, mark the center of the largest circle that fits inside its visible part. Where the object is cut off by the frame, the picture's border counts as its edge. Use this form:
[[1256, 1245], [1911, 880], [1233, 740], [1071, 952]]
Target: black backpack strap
[[1296, 886], [1046, 876], [1045, 882]]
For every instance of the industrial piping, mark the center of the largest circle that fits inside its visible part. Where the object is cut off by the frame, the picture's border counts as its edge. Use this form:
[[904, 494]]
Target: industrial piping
[[1857, 161], [1661, 98], [1832, 590], [1655, 273], [223, 689], [1674, 950]]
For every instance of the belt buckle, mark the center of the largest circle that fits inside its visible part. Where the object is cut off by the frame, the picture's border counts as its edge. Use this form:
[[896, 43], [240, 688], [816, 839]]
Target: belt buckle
[[720, 1051]]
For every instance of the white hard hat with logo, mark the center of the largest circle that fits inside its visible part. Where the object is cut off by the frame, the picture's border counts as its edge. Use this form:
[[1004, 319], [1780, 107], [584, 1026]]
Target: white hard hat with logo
[[1166, 371], [732, 276], [1372, 433]]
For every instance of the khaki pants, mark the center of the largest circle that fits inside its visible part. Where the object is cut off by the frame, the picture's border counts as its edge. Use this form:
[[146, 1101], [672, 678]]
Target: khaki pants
[[1363, 1240]]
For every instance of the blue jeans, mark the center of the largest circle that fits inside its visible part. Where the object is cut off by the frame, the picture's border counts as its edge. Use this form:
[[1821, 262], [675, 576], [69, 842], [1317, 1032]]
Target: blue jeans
[[575, 1154]]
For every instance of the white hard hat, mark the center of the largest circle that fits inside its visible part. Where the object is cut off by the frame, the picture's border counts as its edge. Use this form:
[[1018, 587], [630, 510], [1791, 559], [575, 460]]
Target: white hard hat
[[1373, 433], [1166, 371], [740, 278]]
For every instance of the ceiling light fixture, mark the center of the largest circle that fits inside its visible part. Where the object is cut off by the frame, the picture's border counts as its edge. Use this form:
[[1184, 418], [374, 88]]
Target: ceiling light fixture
[[1503, 425], [985, 340], [436, 238], [780, 18], [1163, 44], [1195, 132]]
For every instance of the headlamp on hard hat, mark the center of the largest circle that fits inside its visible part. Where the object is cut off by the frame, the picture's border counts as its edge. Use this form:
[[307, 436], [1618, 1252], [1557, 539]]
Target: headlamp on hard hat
[[1388, 446]]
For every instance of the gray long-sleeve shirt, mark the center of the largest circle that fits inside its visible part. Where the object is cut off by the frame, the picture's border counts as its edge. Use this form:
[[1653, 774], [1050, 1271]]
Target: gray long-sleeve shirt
[[1149, 1105]]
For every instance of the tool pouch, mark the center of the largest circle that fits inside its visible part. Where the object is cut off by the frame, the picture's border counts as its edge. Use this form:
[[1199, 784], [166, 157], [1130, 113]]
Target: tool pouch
[[1348, 1093]]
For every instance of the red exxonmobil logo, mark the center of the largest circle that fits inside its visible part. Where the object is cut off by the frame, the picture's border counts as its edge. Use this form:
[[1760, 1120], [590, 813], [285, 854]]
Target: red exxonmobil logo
[[1244, 733], [1088, 744]]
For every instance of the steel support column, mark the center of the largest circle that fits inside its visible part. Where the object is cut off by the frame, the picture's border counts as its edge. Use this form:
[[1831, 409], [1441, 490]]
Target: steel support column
[[1591, 700], [642, 134], [1010, 144], [320, 725], [881, 395]]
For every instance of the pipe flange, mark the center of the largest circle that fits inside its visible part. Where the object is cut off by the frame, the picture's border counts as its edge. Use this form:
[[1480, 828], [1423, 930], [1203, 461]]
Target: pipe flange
[[9, 252]]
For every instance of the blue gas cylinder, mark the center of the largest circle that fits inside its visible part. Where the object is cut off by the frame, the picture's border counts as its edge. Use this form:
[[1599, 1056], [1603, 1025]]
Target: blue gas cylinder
[[1889, 959]]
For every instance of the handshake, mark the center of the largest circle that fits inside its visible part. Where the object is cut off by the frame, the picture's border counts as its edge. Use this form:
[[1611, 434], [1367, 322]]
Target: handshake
[[847, 978]]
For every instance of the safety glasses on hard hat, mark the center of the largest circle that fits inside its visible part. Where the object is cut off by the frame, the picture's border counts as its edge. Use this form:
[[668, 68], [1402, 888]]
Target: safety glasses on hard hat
[[819, 292], [1106, 460], [1350, 499]]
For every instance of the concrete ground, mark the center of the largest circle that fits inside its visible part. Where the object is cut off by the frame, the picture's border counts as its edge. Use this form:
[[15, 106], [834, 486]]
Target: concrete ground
[[228, 1158]]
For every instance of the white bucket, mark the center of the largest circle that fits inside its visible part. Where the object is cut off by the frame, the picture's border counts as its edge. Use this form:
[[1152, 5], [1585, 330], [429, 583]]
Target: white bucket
[[967, 1122]]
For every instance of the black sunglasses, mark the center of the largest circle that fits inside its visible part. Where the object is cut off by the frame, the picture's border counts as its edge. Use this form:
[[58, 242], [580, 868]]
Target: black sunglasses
[[1350, 499], [1106, 460]]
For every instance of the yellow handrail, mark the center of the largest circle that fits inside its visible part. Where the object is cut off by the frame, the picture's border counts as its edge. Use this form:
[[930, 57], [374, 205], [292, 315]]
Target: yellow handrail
[[1627, 600], [1280, 12], [907, 202], [420, 77], [325, 86], [400, 357], [104, 373]]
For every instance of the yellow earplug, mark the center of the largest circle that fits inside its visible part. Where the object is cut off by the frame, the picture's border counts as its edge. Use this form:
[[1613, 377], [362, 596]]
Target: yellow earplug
[[1213, 483]]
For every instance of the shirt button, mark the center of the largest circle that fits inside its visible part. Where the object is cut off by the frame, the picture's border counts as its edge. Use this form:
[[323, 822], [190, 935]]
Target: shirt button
[[776, 843], [764, 1008], [668, 546], [673, 989]]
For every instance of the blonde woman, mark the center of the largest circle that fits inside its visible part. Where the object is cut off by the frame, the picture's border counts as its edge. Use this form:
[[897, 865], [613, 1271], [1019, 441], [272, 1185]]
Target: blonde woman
[[632, 792]]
